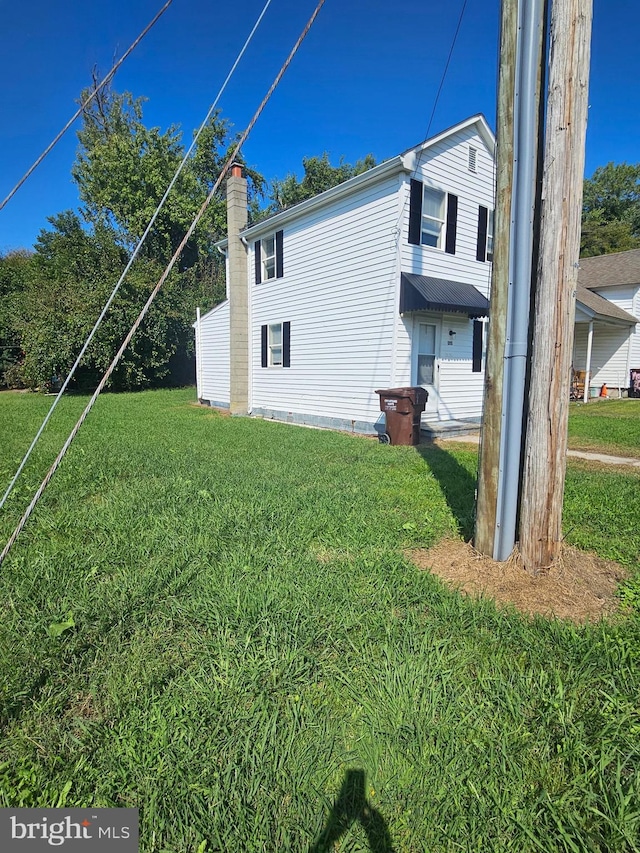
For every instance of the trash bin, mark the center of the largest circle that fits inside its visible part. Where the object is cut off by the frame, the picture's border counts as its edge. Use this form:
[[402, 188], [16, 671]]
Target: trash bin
[[402, 408]]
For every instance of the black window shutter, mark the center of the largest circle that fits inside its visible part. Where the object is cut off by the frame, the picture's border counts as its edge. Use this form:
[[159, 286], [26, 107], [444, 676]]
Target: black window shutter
[[258, 260], [415, 212], [279, 255], [452, 223], [265, 362], [286, 344], [477, 347], [481, 250]]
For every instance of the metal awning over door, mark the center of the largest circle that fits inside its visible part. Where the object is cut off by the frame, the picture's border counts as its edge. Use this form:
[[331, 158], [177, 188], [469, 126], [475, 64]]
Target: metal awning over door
[[425, 293]]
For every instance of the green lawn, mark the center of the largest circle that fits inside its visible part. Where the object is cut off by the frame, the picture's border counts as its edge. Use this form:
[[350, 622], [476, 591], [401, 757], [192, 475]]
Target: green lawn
[[251, 661], [607, 426]]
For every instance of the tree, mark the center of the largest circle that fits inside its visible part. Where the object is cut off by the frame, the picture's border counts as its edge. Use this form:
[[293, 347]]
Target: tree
[[14, 274], [73, 272], [123, 169], [611, 210], [319, 175]]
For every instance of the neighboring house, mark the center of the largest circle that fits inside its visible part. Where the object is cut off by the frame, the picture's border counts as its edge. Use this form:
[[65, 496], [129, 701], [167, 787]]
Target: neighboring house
[[607, 339], [382, 281]]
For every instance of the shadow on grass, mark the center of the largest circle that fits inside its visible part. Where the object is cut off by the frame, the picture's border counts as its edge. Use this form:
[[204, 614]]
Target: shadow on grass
[[457, 484], [351, 806]]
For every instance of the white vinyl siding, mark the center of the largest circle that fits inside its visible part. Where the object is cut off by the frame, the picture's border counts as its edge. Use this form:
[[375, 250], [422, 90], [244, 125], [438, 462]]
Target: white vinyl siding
[[444, 166], [615, 348], [459, 390], [608, 354], [339, 293], [213, 350]]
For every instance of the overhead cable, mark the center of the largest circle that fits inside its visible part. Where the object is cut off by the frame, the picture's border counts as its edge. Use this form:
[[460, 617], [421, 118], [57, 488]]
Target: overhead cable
[[86, 103], [446, 68], [435, 104], [133, 257], [156, 289]]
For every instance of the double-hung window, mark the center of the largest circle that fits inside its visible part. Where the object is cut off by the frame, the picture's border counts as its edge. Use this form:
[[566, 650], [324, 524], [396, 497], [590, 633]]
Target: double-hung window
[[276, 344], [269, 257], [433, 217], [268, 248]]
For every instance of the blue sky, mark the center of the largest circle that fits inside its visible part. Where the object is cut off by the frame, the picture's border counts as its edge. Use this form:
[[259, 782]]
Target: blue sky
[[365, 80]]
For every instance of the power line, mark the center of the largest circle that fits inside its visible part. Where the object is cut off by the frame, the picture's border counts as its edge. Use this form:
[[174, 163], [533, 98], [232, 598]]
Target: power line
[[85, 103], [446, 67], [435, 104], [134, 255], [156, 289]]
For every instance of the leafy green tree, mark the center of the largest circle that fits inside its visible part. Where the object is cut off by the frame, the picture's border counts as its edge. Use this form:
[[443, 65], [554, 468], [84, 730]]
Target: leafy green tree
[[319, 175], [602, 238], [611, 210], [123, 169], [14, 274], [73, 272]]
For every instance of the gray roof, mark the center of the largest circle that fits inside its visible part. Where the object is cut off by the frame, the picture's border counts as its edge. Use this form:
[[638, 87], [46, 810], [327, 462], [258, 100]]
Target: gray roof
[[425, 293], [620, 268], [602, 309]]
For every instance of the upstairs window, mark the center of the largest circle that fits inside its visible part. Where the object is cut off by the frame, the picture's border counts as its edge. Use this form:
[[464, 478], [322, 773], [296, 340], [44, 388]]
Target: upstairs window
[[433, 217], [268, 255], [268, 250], [484, 250], [490, 236]]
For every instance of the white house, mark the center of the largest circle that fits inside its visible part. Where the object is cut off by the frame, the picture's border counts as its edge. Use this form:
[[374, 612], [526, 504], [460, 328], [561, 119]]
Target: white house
[[380, 282], [607, 337]]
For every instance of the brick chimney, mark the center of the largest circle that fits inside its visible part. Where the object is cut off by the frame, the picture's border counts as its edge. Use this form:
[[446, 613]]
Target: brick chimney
[[238, 292]]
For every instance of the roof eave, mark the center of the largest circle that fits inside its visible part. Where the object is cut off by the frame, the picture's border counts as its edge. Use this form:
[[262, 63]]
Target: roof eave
[[377, 173]]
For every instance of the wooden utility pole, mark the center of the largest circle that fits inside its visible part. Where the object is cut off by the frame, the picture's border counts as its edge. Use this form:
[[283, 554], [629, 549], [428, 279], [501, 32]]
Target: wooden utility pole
[[518, 153], [563, 171]]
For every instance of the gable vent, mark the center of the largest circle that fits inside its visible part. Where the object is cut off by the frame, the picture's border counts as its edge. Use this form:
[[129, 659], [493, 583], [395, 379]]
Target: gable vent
[[473, 152]]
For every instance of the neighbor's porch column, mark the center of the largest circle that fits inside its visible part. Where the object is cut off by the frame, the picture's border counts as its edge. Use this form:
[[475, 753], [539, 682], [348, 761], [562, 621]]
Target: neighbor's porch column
[[587, 373]]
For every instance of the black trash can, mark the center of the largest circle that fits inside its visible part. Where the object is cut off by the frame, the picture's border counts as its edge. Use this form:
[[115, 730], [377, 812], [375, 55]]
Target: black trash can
[[402, 408]]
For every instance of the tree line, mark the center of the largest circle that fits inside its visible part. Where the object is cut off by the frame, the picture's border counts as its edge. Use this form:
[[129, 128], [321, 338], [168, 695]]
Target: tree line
[[51, 296]]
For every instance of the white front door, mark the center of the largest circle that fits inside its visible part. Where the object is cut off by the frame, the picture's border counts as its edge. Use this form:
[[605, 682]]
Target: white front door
[[425, 362]]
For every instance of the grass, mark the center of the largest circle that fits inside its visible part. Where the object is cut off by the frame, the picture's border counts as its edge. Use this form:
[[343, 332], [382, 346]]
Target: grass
[[211, 619], [606, 426]]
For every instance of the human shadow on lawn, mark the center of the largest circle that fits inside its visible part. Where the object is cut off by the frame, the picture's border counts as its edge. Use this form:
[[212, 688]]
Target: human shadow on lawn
[[457, 484], [351, 806]]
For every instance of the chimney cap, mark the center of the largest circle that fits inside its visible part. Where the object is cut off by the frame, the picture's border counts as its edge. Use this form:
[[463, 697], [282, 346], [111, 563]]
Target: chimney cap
[[236, 169]]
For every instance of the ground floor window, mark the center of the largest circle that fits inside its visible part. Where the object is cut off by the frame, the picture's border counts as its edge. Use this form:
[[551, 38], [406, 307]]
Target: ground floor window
[[276, 344]]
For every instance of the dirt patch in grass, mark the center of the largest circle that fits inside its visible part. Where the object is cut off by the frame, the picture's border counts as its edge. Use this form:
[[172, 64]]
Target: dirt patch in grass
[[580, 587]]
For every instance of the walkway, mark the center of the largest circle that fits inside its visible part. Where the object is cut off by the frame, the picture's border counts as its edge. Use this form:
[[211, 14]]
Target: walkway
[[603, 458]]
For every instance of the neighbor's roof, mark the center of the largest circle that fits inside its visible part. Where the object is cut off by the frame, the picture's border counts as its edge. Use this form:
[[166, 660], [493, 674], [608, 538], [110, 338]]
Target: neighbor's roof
[[599, 308], [613, 270], [405, 162]]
